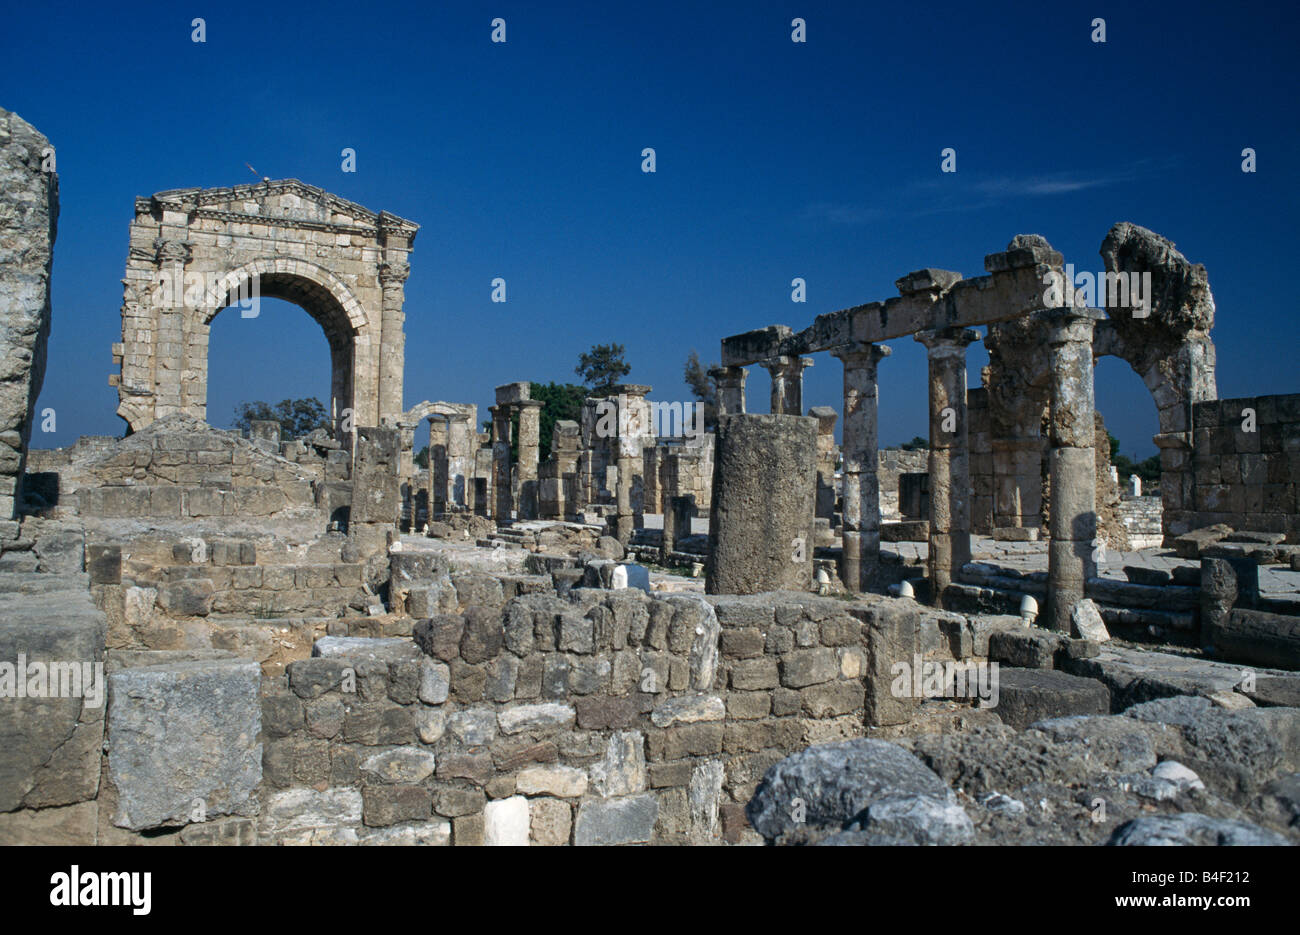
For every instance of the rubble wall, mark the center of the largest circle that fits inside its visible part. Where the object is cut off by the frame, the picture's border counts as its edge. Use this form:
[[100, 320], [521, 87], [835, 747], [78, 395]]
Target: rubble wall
[[603, 717]]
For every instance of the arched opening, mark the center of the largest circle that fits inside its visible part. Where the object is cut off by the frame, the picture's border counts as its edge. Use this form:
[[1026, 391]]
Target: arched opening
[[262, 322], [1125, 405], [1119, 394], [249, 362]]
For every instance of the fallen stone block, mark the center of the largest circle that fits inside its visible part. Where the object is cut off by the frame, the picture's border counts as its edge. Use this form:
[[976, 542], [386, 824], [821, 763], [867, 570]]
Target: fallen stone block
[[1190, 544], [1154, 577], [1028, 695], [1257, 638], [830, 785], [1087, 622]]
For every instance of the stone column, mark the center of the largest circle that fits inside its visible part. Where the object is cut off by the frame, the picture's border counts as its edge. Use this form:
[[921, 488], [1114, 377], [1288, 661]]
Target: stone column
[[392, 348], [634, 425], [376, 488], [530, 413], [406, 431], [787, 383], [503, 507], [1072, 462], [764, 491], [949, 463], [460, 462], [861, 512], [438, 466], [730, 382]]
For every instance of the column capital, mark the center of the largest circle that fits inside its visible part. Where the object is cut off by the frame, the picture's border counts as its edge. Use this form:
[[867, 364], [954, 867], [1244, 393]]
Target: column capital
[[728, 375], [862, 353], [786, 363], [1070, 324], [940, 340]]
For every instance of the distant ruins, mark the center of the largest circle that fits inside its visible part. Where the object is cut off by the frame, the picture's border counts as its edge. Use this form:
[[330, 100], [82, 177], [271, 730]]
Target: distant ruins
[[657, 634]]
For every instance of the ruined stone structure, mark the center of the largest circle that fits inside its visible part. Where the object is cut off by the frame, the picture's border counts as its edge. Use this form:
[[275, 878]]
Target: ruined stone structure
[[1167, 344], [238, 624], [938, 308], [447, 485], [29, 189], [193, 252], [514, 485]]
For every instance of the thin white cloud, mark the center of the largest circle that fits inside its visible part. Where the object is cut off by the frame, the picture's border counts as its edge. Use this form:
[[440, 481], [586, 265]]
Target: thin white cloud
[[952, 193]]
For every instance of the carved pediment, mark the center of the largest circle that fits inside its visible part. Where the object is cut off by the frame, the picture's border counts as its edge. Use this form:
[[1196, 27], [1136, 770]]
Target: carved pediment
[[282, 203]]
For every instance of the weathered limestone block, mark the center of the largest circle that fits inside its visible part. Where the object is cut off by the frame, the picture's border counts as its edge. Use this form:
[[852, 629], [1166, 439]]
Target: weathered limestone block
[[551, 822], [892, 636], [182, 734], [622, 770], [29, 190], [376, 493], [764, 498], [68, 826], [51, 744]]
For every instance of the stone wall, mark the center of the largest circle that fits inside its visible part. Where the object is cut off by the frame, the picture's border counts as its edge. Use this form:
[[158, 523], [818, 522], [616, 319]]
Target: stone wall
[[599, 717], [1141, 519], [605, 718], [181, 469], [1244, 478], [673, 469], [29, 191], [893, 462]]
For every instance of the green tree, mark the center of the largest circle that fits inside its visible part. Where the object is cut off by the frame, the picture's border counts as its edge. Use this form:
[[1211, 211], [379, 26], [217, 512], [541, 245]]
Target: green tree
[[603, 368], [916, 444], [1148, 469], [297, 417], [560, 401], [421, 458], [702, 388]]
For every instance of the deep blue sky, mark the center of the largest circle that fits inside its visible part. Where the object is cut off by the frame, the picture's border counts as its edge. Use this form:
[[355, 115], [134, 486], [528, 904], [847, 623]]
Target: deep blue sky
[[775, 160]]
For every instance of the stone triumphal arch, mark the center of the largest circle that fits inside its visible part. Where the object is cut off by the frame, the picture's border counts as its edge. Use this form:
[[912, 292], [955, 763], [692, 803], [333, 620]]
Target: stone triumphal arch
[[194, 252]]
